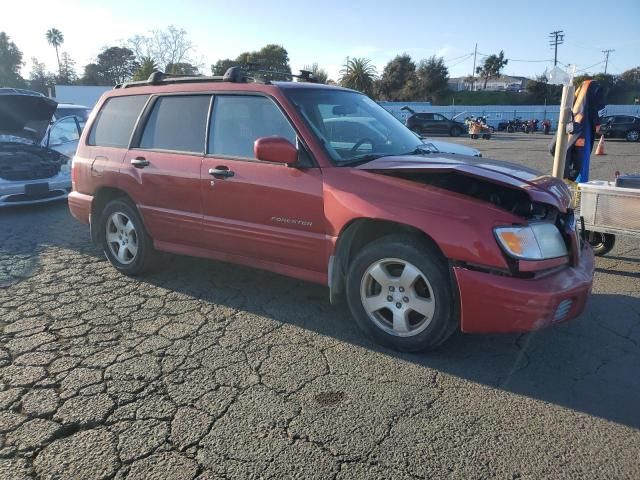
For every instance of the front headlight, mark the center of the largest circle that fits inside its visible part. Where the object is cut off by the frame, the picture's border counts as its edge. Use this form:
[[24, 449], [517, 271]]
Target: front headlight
[[538, 241]]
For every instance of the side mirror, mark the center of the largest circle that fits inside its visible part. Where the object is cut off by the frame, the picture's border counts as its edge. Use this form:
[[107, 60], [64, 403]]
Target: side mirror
[[275, 149]]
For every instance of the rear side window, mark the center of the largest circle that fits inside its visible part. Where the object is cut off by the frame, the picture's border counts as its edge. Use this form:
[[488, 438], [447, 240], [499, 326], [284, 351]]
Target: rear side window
[[177, 123], [425, 116], [116, 120], [237, 122]]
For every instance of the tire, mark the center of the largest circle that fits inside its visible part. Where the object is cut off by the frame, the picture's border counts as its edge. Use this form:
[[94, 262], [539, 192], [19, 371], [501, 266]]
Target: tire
[[455, 131], [602, 243], [486, 136], [125, 241], [510, 129], [632, 136], [474, 136], [427, 288]]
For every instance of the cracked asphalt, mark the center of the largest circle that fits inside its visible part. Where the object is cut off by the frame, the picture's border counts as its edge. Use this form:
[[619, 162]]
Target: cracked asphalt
[[208, 370]]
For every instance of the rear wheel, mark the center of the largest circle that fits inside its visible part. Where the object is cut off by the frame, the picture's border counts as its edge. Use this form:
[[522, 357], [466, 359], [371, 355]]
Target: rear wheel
[[510, 129], [125, 242], [602, 243], [632, 136], [399, 292], [474, 136]]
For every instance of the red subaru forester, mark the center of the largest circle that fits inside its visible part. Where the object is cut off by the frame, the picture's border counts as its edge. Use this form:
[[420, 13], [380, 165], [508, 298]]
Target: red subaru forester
[[322, 184]]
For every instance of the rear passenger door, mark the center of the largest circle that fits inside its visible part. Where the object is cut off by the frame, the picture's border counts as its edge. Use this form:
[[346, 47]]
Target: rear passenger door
[[265, 211], [162, 169]]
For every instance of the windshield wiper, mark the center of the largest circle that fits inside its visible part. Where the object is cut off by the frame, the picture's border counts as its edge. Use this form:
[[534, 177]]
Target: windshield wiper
[[420, 150]]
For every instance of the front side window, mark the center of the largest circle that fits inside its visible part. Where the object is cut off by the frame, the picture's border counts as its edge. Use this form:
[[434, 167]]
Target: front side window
[[238, 120], [438, 117], [115, 122], [177, 123], [351, 126]]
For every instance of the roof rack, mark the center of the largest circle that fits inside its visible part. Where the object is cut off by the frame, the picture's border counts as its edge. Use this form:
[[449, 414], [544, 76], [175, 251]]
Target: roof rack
[[233, 75]]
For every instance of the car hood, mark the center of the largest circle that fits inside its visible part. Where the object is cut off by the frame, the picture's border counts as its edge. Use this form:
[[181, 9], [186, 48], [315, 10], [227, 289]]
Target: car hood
[[540, 188], [25, 115], [449, 147]]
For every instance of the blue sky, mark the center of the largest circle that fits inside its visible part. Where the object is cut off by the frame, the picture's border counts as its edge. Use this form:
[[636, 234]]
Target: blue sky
[[328, 31]]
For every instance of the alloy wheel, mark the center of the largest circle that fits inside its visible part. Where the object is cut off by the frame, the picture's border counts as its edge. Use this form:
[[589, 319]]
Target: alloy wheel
[[397, 297], [122, 238]]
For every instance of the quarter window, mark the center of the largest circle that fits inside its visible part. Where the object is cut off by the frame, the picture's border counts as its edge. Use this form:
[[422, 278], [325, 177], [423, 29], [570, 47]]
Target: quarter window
[[177, 123], [115, 121], [239, 120]]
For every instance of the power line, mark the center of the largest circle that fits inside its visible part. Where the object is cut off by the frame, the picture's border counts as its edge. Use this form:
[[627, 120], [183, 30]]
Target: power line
[[556, 38]]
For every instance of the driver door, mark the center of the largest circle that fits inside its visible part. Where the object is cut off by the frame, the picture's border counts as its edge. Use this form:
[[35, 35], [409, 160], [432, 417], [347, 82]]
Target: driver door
[[260, 213]]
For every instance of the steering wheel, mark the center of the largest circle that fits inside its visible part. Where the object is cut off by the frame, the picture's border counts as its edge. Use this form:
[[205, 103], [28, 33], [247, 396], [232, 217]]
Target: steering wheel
[[361, 142]]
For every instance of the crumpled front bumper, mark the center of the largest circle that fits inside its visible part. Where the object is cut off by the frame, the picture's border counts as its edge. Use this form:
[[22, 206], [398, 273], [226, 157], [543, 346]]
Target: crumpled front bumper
[[492, 303]]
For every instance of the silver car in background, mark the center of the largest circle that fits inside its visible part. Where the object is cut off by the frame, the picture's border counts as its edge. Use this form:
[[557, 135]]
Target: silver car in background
[[35, 155]]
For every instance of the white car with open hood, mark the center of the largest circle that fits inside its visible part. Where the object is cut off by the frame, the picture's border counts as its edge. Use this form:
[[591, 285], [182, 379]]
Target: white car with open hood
[[35, 155]]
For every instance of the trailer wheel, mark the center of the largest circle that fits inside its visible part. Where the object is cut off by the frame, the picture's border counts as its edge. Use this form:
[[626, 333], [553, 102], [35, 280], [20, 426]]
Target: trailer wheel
[[602, 243]]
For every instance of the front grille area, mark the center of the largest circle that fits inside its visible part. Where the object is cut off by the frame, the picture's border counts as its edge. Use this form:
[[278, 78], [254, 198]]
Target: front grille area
[[28, 162], [23, 197]]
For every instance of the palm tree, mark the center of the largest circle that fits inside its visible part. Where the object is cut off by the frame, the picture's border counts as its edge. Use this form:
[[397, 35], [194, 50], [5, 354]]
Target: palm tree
[[55, 39], [147, 67], [359, 74]]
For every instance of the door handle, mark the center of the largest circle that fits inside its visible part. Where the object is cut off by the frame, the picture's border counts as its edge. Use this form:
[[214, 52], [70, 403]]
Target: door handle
[[139, 162], [223, 172]]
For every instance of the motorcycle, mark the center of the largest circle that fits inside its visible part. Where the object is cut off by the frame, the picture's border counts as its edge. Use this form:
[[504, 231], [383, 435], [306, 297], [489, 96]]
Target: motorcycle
[[514, 125], [530, 126]]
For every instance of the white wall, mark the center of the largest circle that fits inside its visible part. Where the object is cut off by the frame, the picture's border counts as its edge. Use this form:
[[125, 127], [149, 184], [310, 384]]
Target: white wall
[[86, 95]]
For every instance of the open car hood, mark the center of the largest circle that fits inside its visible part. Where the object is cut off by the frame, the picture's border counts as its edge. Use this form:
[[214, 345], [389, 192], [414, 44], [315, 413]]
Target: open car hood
[[25, 114], [540, 188]]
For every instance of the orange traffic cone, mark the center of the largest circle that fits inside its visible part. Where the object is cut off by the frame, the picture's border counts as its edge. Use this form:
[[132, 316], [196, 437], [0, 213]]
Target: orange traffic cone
[[600, 147]]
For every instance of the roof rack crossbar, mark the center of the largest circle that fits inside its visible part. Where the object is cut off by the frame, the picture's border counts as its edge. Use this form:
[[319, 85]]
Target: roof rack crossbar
[[233, 75]]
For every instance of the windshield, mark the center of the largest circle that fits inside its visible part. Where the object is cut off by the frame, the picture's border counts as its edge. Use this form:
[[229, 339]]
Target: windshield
[[352, 127], [80, 112]]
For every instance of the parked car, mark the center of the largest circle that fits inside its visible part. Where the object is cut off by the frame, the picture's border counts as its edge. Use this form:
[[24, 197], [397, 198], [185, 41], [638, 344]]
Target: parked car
[[429, 123], [35, 156], [621, 126], [69, 110], [271, 175]]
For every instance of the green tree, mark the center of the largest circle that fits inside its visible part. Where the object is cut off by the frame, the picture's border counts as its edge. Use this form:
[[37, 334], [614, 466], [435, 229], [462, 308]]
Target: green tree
[[146, 68], [359, 74], [67, 74], [93, 75], [55, 39], [10, 63], [491, 67], [116, 65], [182, 68], [39, 79], [542, 92], [631, 76], [433, 76], [221, 66], [320, 74], [398, 79], [271, 60]]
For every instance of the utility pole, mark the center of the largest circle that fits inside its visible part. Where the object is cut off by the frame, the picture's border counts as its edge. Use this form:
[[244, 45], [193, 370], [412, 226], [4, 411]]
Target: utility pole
[[606, 58], [473, 74], [556, 38]]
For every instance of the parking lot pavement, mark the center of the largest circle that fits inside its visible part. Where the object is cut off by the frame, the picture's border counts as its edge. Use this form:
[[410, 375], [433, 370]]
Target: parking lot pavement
[[208, 370]]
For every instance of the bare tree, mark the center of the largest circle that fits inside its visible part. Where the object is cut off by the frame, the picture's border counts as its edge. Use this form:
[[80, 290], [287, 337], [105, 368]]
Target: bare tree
[[168, 46]]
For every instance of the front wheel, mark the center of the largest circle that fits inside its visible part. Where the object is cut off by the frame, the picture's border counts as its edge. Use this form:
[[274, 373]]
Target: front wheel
[[399, 291], [125, 242], [602, 243], [632, 136]]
